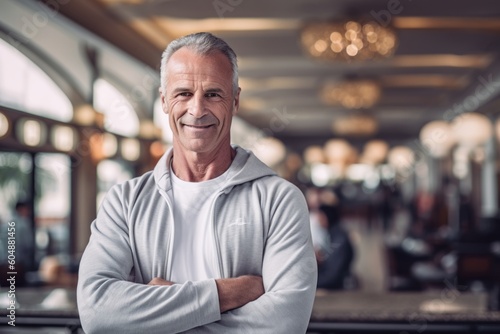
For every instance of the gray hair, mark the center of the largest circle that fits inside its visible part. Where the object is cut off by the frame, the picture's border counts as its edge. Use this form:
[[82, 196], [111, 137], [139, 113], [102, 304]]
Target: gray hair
[[203, 43]]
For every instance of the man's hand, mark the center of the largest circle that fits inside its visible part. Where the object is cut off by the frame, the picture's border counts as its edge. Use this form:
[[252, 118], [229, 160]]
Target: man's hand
[[236, 292], [160, 281], [233, 292]]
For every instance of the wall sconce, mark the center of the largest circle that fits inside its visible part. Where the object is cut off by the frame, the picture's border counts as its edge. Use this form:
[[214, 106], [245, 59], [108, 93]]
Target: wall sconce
[[148, 130], [102, 146], [130, 149], [4, 125], [63, 138], [157, 149], [31, 132], [86, 115]]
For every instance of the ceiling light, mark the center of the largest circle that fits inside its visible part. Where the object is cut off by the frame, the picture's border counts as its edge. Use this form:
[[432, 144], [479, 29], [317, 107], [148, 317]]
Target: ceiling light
[[314, 154], [355, 125], [438, 138], [348, 41], [472, 129], [357, 94], [338, 150], [401, 158], [269, 150], [374, 152]]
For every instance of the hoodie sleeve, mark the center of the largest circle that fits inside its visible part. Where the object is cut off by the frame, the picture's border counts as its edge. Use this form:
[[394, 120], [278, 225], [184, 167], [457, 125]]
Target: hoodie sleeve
[[289, 274], [109, 303]]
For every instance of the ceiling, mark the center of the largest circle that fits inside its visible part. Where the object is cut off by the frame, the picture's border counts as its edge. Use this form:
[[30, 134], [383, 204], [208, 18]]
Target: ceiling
[[446, 60]]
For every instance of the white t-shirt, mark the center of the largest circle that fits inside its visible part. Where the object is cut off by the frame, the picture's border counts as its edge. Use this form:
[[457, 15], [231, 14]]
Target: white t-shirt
[[194, 257]]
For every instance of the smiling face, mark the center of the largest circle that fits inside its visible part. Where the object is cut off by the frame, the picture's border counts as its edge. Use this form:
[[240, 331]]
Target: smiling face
[[199, 101]]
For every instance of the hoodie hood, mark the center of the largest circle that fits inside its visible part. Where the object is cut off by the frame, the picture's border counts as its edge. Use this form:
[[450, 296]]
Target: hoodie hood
[[244, 168]]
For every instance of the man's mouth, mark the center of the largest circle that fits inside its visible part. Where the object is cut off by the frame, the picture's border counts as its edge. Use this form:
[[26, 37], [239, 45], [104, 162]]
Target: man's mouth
[[198, 126]]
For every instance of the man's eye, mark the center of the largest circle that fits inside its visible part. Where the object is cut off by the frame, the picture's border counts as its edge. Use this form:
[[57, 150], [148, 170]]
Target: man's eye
[[212, 95], [184, 94]]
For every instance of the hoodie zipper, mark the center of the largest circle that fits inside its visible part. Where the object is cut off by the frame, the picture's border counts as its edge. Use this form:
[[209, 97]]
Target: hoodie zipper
[[216, 237], [170, 243]]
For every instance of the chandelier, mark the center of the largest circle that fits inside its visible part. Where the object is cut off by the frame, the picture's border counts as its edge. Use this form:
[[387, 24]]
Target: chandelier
[[359, 94], [355, 125], [348, 41]]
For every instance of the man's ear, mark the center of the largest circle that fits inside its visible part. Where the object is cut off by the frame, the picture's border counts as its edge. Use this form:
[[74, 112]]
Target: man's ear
[[163, 102], [236, 101]]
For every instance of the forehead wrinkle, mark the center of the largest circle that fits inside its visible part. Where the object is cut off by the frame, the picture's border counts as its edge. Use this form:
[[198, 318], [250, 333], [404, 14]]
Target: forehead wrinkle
[[200, 69]]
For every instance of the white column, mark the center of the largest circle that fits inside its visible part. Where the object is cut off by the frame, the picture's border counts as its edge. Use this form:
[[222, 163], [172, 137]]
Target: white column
[[489, 191]]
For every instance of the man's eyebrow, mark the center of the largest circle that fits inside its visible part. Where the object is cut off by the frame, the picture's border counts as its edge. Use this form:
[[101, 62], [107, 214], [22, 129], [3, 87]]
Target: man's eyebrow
[[180, 89], [214, 90]]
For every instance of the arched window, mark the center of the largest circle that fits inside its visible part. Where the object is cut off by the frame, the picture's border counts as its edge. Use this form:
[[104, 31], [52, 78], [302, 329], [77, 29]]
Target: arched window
[[120, 116], [161, 120], [24, 86]]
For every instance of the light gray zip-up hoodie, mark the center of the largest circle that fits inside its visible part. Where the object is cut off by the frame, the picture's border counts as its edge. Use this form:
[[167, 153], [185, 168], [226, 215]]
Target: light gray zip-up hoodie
[[260, 226]]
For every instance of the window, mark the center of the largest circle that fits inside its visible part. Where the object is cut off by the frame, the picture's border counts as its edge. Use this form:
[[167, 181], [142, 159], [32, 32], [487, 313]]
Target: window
[[120, 117], [161, 120], [48, 233], [109, 173], [24, 86], [52, 205]]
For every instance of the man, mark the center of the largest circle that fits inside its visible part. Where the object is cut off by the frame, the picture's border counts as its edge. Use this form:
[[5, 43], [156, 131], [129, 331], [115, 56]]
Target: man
[[210, 241]]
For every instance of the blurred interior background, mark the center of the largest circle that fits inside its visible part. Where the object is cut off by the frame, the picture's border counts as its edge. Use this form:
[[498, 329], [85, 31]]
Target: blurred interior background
[[384, 112]]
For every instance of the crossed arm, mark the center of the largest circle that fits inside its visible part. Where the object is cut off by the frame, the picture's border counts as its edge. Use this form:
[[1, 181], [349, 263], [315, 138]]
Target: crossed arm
[[109, 302], [233, 292]]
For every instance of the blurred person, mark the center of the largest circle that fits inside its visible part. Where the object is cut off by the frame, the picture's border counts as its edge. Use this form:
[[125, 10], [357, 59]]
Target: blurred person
[[20, 227], [211, 240], [318, 221], [334, 261]]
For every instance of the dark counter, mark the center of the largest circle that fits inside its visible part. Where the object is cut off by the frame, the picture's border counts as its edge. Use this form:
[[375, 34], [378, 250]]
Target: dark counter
[[443, 311]]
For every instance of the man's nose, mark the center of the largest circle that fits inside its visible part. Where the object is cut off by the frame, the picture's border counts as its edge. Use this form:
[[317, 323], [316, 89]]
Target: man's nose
[[197, 106]]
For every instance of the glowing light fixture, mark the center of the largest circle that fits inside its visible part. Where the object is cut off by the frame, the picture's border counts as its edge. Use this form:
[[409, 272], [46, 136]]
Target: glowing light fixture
[[375, 152], [148, 130], [85, 115], [314, 154], [347, 41], [356, 94], [438, 138], [472, 129], [338, 150], [355, 125], [109, 145], [130, 149], [401, 158], [157, 149], [102, 146], [4, 125], [31, 132], [63, 138], [270, 150]]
